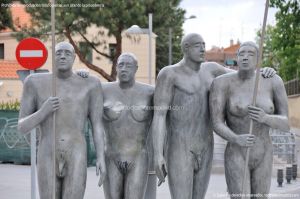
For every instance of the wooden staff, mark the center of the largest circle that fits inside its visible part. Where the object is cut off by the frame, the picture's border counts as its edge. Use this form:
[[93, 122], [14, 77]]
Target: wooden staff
[[257, 76], [53, 94]]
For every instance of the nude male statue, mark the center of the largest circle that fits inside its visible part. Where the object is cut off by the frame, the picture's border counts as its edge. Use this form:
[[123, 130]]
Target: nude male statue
[[77, 100], [127, 118], [230, 102], [187, 130]]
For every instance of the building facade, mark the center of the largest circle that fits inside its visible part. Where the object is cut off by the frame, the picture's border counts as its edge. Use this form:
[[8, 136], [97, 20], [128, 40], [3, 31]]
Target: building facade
[[11, 86]]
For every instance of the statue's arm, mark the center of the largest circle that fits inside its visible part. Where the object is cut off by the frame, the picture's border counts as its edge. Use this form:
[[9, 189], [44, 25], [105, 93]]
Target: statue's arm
[[95, 116], [278, 120], [162, 100], [217, 103], [217, 70], [29, 117]]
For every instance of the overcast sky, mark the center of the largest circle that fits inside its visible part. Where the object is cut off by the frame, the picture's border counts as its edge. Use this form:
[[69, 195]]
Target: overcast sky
[[218, 21]]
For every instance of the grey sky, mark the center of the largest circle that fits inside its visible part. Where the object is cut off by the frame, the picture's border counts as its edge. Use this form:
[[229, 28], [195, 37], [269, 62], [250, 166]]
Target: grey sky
[[218, 21]]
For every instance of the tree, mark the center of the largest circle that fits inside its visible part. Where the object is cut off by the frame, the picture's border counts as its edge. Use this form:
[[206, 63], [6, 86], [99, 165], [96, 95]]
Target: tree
[[5, 16], [167, 15], [286, 37], [115, 16], [270, 56]]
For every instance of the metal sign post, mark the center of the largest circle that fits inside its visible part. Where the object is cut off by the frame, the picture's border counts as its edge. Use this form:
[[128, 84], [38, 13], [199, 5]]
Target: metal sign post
[[33, 159]]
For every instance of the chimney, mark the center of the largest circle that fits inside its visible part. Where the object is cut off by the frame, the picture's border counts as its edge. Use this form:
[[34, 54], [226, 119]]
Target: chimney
[[231, 42]]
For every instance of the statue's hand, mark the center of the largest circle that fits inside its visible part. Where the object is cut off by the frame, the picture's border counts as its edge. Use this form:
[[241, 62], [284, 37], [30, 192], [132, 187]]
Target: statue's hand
[[245, 140], [101, 169], [257, 114], [268, 72], [50, 105], [160, 169], [82, 73]]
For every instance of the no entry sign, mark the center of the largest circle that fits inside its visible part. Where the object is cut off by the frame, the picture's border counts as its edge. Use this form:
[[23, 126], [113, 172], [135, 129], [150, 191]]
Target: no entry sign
[[31, 53]]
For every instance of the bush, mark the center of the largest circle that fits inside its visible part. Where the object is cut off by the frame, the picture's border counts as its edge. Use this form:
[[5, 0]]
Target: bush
[[10, 105]]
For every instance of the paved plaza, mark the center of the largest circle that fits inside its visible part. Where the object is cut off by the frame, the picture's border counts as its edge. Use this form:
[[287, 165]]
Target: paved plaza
[[15, 184]]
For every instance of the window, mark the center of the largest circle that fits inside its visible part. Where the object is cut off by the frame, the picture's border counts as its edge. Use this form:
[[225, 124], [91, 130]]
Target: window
[[87, 51], [1, 51]]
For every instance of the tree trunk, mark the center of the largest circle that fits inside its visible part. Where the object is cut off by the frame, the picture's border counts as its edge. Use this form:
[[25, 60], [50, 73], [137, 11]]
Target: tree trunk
[[88, 64], [118, 53]]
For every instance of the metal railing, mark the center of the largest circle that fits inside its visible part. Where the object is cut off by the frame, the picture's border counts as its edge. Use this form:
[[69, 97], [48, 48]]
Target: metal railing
[[284, 148], [292, 87]]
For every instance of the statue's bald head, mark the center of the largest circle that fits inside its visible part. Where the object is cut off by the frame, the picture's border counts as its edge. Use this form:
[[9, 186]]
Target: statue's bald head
[[190, 39], [64, 45]]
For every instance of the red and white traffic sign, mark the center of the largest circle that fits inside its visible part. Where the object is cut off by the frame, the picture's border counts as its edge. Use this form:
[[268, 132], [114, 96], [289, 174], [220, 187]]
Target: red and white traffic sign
[[31, 53]]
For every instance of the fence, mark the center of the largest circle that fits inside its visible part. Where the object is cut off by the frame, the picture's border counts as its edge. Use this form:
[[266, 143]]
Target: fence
[[15, 147], [284, 148], [292, 87]]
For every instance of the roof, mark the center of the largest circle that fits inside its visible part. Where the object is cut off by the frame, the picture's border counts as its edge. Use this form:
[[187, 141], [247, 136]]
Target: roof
[[232, 49], [19, 16], [8, 69]]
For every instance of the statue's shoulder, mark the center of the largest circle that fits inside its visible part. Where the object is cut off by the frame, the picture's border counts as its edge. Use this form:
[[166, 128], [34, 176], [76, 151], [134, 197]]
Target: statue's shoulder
[[145, 88], [226, 78], [91, 80], [37, 78], [109, 85], [211, 66], [276, 80], [168, 72]]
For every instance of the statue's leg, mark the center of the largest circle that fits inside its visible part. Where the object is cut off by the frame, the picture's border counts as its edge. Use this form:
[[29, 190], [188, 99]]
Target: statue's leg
[[45, 177], [113, 184], [180, 166], [201, 177], [136, 180], [261, 176], [74, 182], [234, 172]]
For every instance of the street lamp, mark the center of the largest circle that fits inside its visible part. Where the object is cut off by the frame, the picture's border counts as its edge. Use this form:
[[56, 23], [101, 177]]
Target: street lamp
[[170, 39], [135, 29]]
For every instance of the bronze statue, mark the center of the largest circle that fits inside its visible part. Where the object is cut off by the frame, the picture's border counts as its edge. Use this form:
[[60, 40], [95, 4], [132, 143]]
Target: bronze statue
[[77, 100], [231, 110]]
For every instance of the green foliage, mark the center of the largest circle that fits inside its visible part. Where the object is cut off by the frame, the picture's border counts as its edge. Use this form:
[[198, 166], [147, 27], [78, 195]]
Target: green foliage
[[10, 106], [285, 37], [270, 56], [5, 16], [167, 14], [116, 16]]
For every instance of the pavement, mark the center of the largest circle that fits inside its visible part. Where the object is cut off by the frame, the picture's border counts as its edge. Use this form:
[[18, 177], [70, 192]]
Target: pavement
[[15, 184]]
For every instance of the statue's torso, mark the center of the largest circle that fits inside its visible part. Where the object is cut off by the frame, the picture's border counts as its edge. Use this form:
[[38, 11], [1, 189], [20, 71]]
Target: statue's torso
[[127, 118], [188, 117], [239, 98], [73, 94]]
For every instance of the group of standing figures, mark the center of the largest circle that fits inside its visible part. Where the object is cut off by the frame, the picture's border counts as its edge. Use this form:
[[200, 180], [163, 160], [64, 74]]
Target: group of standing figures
[[173, 122]]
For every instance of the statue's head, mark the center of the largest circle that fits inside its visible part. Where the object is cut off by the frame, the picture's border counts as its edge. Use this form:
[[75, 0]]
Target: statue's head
[[247, 56], [127, 66], [193, 47], [64, 56]]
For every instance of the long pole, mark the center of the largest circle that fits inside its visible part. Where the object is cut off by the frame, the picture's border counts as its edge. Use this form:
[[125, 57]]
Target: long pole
[[170, 46], [53, 94], [257, 76], [33, 159], [150, 49]]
